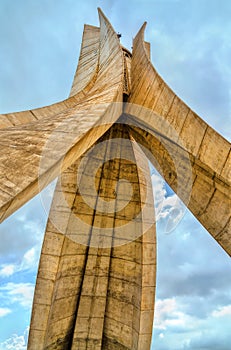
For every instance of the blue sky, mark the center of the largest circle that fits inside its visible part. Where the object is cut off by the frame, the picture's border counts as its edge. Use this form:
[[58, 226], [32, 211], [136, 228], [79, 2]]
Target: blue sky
[[191, 49]]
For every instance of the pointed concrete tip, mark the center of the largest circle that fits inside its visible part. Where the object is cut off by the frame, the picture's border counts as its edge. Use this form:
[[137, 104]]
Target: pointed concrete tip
[[143, 27], [100, 12], [141, 31], [102, 16]]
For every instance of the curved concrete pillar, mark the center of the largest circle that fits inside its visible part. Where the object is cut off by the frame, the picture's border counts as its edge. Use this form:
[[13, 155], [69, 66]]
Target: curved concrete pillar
[[193, 158]]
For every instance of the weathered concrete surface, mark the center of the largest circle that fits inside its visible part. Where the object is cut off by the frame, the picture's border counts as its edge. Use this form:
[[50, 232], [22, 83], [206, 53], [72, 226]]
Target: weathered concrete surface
[[185, 149], [96, 280], [86, 72], [99, 275]]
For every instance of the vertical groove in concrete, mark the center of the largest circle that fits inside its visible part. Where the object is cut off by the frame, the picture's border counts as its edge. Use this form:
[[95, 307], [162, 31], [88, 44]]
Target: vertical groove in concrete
[[88, 310], [89, 313]]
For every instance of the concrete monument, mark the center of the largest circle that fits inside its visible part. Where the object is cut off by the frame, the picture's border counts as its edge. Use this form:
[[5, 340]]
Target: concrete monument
[[95, 287]]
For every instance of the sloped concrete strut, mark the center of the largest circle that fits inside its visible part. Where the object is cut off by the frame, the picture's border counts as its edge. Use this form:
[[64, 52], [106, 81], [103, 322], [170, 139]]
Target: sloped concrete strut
[[95, 286]]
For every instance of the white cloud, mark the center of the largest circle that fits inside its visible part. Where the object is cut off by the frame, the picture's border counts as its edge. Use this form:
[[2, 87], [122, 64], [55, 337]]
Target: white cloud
[[15, 342], [30, 259], [176, 329], [22, 231], [163, 308], [169, 209], [168, 313], [4, 311], [159, 190], [223, 311], [7, 270], [29, 262], [21, 293]]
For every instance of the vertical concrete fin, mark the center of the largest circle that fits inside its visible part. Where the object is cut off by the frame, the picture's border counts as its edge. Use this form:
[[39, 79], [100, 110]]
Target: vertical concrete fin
[[197, 158], [86, 71]]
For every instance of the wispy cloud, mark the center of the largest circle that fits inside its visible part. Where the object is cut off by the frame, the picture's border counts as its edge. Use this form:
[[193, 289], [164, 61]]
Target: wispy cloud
[[169, 313], [223, 312], [15, 342], [4, 311], [22, 234], [169, 209], [17, 293], [176, 329], [7, 270], [28, 262]]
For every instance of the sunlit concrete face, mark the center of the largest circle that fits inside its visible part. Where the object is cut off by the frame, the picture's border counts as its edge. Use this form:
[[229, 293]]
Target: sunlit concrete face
[[96, 281], [98, 259]]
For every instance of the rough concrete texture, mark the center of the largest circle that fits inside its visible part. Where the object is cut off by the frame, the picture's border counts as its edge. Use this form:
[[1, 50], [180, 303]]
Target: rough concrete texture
[[99, 275], [95, 287]]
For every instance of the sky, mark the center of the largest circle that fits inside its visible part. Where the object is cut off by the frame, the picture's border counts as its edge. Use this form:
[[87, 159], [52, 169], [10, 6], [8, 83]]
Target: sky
[[191, 50]]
